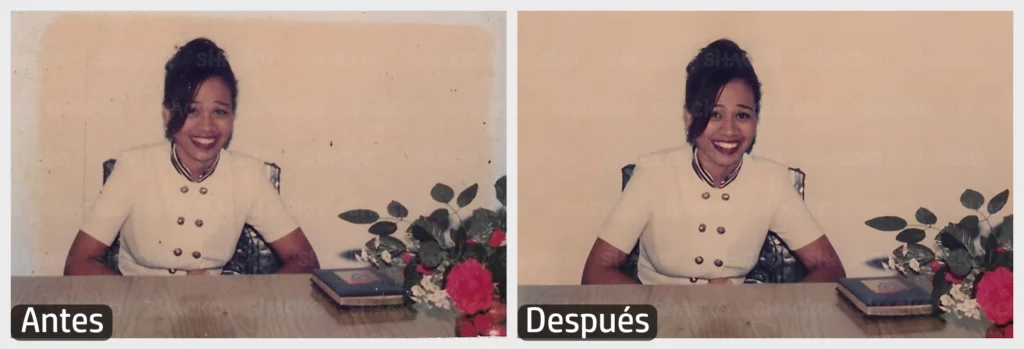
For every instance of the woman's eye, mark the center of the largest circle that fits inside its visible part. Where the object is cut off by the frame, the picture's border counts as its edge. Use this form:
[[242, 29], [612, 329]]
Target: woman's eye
[[715, 114], [221, 112], [193, 111], [743, 116]]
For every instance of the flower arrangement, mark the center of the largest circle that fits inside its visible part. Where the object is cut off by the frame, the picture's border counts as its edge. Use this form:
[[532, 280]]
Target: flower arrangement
[[972, 272], [446, 264]]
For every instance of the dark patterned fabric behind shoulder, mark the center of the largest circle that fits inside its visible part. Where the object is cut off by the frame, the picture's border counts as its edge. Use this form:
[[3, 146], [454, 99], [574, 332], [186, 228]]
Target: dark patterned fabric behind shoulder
[[253, 254], [776, 263]]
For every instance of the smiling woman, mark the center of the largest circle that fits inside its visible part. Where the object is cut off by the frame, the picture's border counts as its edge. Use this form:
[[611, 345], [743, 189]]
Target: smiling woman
[[177, 207], [701, 213]]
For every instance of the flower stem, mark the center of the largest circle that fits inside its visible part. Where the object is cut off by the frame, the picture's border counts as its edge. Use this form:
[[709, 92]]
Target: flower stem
[[456, 212], [990, 228]]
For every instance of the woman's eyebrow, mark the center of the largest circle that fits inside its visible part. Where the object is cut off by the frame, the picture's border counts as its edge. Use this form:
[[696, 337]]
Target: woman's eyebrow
[[745, 107], [223, 104]]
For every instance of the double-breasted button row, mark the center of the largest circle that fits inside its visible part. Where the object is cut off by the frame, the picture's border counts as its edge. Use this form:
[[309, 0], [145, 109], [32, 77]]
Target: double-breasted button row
[[703, 227], [195, 254], [700, 260], [707, 195], [199, 222], [202, 190]]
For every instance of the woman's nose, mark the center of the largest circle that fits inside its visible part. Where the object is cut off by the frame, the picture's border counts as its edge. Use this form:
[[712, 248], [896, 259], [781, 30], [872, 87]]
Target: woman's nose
[[729, 126], [206, 121]]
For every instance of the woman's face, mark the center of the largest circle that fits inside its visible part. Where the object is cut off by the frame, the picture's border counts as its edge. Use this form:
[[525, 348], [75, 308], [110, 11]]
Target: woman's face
[[732, 127], [208, 124]]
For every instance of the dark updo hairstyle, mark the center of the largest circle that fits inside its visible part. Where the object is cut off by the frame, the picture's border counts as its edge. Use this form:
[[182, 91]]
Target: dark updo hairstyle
[[198, 60], [716, 65]]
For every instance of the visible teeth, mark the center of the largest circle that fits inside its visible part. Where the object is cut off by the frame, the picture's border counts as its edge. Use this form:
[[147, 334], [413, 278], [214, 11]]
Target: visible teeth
[[727, 145], [203, 141]]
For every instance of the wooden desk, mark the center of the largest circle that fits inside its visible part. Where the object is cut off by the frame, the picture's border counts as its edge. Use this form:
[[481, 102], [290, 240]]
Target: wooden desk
[[226, 306], [750, 311]]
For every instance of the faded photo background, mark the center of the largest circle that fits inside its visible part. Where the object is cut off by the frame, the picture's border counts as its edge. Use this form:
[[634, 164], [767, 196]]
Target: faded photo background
[[357, 109], [885, 112]]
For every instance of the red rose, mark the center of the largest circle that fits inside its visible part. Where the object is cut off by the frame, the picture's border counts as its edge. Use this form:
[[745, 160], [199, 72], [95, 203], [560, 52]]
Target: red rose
[[423, 270], [1000, 249], [497, 237], [498, 331], [483, 323], [470, 286], [467, 328], [935, 265], [407, 257], [952, 278], [498, 311], [995, 295]]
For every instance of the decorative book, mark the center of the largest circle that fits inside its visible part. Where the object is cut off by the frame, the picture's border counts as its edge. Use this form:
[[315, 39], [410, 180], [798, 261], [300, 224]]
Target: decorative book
[[359, 287], [886, 296]]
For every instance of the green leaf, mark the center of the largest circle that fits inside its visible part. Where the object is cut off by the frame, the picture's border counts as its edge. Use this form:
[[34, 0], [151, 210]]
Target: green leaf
[[972, 199], [431, 227], [498, 267], [970, 224], [924, 216], [442, 193], [392, 245], [990, 243], [480, 225], [430, 254], [1004, 260], [998, 201], [499, 190], [395, 209], [360, 216], [440, 217], [466, 196], [910, 235], [940, 287], [476, 251], [960, 262], [1005, 234], [887, 223], [383, 228], [421, 234], [921, 253], [459, 235], [950, 241]]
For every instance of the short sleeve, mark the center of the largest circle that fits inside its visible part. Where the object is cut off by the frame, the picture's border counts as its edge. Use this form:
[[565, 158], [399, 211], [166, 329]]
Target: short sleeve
[[114, 203], [268, 213], [631, 213], [793, 221]]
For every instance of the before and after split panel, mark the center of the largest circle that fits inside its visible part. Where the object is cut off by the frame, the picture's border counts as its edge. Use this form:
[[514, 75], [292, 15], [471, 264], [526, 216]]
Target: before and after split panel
[[654, 174]]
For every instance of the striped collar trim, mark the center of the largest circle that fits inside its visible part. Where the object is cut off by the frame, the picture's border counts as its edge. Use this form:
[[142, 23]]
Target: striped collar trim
[[707, 178], [184, 170]]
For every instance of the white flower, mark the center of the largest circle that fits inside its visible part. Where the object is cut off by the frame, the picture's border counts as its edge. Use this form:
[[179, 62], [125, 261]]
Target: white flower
[[970, 308], [915, 265], [386, 256], [364, 255], [958, 294], [892, 263]]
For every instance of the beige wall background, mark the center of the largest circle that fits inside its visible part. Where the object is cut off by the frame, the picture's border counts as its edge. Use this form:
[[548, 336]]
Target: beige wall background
[[357, 108], [885, 112]]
